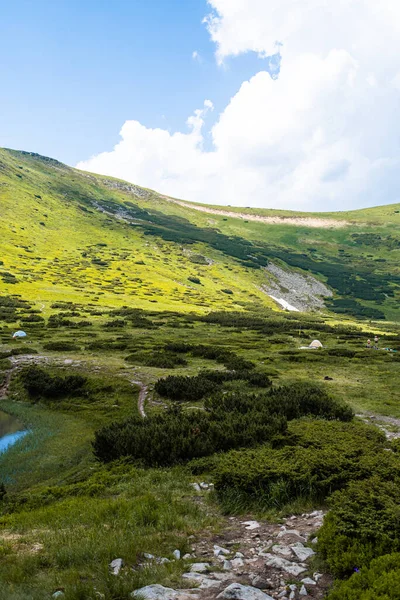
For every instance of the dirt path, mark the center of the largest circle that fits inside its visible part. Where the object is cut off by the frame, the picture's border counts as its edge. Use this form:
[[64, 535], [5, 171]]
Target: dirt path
[[142, 397], [319, 222], [382, 423]]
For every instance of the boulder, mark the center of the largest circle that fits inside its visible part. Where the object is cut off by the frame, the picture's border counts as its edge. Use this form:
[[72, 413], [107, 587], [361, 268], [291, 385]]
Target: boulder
[[284, 565], [237, 591], [302, 552], [156, 592], [200, 567]]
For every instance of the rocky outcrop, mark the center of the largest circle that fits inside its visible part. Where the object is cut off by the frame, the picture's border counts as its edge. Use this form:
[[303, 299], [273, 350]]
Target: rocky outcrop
[[295, 291]]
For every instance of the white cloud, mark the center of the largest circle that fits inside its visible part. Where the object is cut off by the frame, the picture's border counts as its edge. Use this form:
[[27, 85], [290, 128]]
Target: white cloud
[[196, 56], [323, 135]]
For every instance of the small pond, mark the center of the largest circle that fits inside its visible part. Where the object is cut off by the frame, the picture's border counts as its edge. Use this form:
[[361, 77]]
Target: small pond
[[11, 430]]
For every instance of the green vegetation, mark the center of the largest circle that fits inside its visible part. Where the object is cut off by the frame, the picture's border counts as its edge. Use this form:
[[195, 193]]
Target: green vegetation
[[120, 288]]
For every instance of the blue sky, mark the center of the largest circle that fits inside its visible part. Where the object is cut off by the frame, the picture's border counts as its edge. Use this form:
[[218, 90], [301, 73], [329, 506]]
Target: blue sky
[[73, 71], [112, 87]]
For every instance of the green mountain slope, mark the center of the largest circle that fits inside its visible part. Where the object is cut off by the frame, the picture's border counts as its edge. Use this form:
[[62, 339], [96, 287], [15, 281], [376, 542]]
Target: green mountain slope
[[75, 236]]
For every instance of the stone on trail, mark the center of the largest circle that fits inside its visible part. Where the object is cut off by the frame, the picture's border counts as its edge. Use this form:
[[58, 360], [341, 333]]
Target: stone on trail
[[280, 549], [251, 525], [284, 565], [218, 550], [237, 563], [303, 591], [227, 566], [203, 581], [199, 567], [236, 591], [116, 565], [302, 552], [308, 581], [156, 592]]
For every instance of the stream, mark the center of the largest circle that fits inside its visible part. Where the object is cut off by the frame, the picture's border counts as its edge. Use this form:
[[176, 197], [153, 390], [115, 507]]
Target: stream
[[11, 430]]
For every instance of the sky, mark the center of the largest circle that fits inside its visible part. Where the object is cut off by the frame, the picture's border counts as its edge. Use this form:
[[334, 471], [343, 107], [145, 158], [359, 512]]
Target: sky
[[266, 103]]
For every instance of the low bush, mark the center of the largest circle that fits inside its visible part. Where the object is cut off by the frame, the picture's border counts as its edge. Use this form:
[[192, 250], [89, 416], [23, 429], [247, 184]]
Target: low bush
[[184, 388], [39, 383], [162, 360], [363, 522], [61, 346], [345, 352], [175, 437], [313, 460], [379, 581]]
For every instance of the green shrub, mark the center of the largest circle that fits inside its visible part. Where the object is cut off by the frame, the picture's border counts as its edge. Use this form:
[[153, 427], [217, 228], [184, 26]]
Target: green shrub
[[175, 437], [162, 360], [39, 383], [61, 345], [379, 581], [184, 388], [363, 522], [341, 352], [194, 280], [317, 458]]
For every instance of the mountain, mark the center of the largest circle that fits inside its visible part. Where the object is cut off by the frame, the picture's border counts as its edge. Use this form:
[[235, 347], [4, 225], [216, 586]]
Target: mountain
[[75, 236]]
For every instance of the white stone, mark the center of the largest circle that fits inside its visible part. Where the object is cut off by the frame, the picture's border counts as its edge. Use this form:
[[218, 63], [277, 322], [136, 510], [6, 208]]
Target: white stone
[[177, 554], [59, 593], [239, 555], [237, 563], [251, 525], [203, 581], [162, 561], [289, 532], [302, 552], [293, 587], [285, 565], [199, 567], [218, 550], [292, 595], [308, 581], [148, 556], [283, 550], [227, 566], [187, 556], [156, 592], [237, 591], [116, 565], [196, 487], [303, 591], [317, 576]]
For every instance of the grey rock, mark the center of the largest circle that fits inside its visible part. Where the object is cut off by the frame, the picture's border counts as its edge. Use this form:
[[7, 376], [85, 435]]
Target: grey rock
[[239, 555], [293, 587], [317, 576], [156, 592], [302, 552], [250, 525], [227, 566], [260, 582], [196, 487], [177, 554], [203, 581], [218, 550], [162, 560], [284, 565], [237, 563], [237, 591], [281, 549], [116, 565], [187, 556], [308, 581], [282, 594], [201, 567], [289, 532], [303, 591], [58, 594], [148, 556], [292, 595]]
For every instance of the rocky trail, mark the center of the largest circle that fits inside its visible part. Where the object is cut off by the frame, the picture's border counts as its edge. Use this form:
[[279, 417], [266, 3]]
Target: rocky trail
[[247, 560]]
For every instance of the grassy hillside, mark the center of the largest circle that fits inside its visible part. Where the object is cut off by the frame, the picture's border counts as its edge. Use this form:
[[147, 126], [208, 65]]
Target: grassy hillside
[[82, 237]]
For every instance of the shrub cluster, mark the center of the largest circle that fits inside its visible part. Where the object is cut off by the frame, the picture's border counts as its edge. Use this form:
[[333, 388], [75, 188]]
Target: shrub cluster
[[61, 345], [39, 383], [315, 459], [230, 421]]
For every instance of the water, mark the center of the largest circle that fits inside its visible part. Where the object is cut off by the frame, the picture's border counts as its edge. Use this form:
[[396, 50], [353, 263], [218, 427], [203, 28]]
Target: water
[[11, 430]]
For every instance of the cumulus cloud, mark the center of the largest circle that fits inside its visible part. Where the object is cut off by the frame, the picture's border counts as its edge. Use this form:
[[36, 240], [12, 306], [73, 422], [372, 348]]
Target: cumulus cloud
[[319, 131]]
